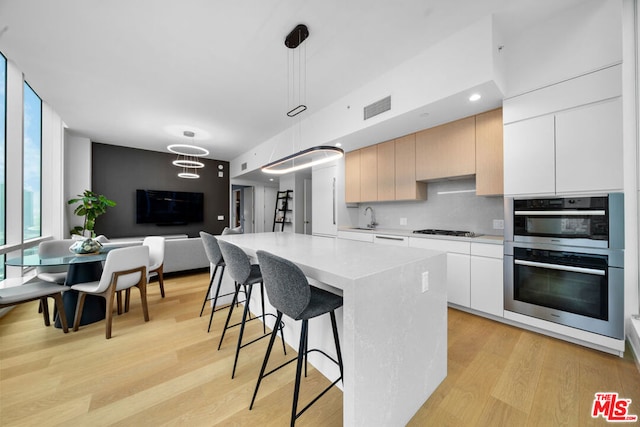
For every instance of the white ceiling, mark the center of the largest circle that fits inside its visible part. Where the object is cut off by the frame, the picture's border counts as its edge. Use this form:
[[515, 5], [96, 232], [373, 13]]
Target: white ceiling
[[133, 72]]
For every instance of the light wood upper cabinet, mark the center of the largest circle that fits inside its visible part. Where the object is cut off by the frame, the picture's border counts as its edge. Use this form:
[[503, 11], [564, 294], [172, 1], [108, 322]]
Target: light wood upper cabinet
[[446, 151], [407, 188], [386, 171], [369, 174], [489, 154], [352, 176], [393, 170]]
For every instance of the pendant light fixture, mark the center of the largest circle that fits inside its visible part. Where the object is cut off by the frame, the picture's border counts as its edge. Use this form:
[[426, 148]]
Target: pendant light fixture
[[188, 155], [296, 88]]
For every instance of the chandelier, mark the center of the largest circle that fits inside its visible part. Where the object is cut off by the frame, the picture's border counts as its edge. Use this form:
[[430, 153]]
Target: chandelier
[[188, 157]]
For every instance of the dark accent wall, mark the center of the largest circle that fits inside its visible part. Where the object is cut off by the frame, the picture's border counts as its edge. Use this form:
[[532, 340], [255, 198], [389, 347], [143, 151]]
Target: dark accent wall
[[117, 172]]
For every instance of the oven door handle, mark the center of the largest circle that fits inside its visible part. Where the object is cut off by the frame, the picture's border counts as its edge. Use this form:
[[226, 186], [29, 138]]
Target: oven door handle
[[561, 267], [561, 213]]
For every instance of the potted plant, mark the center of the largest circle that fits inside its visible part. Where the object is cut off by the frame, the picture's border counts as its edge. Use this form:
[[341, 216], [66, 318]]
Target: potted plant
[[90, 206]]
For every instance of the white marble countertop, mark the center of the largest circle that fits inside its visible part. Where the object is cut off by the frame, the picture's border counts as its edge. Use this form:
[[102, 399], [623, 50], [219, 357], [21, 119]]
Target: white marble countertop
[[332, 261], [483, 238]]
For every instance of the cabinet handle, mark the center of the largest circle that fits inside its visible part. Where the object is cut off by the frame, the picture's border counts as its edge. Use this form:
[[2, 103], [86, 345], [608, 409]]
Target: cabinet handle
[[333, 199], [390, 238]]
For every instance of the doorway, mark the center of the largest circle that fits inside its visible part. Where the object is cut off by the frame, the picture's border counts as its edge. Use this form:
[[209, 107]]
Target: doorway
[[243, 200]]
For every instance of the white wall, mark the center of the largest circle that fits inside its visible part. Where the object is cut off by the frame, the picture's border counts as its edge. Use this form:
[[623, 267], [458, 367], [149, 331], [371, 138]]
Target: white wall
[[14, 151], [458, 63], [631, 147], [53, 197], [77, 174], [578, 40]]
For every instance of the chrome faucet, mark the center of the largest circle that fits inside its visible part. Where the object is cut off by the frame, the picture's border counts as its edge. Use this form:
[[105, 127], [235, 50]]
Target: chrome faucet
[[373, 222]]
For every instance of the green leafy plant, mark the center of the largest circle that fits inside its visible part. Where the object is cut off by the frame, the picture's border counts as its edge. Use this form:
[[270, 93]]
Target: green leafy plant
[[91, 206]]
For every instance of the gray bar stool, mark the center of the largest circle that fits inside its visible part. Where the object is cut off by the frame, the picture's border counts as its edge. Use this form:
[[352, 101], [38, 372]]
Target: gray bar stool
[[214, 255], [245, 275], [290, 293]]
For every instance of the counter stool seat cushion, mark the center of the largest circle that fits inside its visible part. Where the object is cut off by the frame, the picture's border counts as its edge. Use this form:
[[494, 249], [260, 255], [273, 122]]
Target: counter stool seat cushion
[[255, 275], [321, 302]]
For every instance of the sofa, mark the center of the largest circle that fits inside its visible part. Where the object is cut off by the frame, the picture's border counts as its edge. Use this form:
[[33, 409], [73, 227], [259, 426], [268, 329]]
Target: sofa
[[181, 253]]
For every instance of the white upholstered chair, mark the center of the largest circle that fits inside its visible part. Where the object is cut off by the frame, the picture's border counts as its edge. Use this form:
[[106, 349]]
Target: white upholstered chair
[[52, 249], [124, 268], [156, 258]]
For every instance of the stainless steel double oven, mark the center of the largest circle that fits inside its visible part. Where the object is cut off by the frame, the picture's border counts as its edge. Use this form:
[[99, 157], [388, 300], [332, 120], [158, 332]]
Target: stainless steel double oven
[[564, 261]]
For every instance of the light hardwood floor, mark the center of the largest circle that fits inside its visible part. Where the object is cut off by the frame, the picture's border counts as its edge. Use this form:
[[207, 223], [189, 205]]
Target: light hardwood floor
[[168, 372]]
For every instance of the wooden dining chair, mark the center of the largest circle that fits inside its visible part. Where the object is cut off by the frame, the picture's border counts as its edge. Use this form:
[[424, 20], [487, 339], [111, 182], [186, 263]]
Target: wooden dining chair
[[124, 268]]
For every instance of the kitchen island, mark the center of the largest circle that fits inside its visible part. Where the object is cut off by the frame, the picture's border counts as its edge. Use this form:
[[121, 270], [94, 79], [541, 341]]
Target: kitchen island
[[394, 319]]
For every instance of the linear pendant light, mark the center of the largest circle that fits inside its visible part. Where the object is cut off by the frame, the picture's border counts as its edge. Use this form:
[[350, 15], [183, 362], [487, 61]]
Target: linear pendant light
[[311, 156], [303, 159]]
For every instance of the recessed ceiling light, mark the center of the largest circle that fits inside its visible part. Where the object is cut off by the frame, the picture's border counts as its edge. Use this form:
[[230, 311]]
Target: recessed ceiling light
[[475, 97], [338, 144]]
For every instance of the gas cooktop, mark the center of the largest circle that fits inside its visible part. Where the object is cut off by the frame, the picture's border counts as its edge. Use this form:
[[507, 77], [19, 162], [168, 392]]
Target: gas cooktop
[[446, 232]]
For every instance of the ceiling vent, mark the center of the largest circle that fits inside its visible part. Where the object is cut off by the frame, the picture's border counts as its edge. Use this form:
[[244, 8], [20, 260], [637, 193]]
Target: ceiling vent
[[243, 166], [377, 107]]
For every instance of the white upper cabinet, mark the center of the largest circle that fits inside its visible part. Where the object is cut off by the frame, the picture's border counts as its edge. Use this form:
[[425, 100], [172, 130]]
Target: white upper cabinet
[[529, 157], [589, 148], [565, 138]]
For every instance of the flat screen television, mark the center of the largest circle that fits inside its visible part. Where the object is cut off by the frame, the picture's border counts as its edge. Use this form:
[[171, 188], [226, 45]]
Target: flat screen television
[[169, 207]]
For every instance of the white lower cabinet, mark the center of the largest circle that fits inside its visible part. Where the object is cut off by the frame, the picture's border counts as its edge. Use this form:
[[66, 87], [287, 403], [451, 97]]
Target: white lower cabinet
[[474, 270], [458, 267], [458, 279], [487, 278]]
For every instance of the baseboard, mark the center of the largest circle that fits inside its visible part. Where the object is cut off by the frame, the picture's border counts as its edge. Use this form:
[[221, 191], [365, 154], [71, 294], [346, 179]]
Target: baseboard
[[633, 336]]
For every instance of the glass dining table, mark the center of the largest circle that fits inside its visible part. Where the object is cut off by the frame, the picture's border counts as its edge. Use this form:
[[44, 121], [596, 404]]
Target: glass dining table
[[80, 269]]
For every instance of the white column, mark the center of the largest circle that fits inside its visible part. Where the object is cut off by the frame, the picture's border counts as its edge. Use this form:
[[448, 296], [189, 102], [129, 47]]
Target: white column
[[14, 155]]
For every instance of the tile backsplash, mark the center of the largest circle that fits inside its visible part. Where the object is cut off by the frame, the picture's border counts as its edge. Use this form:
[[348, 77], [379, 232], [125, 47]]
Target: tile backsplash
[[450, 204]]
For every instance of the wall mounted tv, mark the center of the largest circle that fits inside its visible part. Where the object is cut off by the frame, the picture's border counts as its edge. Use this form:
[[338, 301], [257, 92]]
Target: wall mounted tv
[[169, 207]]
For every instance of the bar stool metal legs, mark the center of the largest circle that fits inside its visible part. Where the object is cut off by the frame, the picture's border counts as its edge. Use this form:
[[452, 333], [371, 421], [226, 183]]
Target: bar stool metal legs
[[290, 293], [217, 295], [302, 356], [246, 316]]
